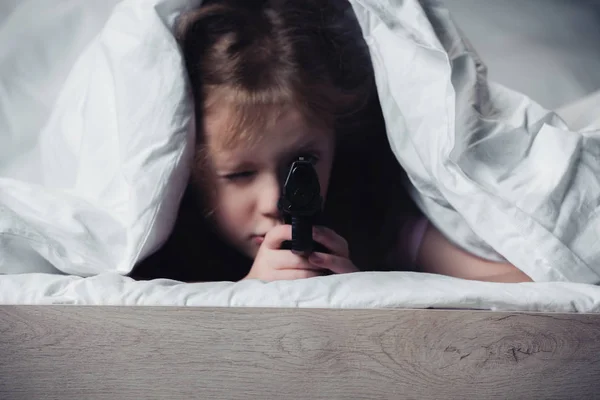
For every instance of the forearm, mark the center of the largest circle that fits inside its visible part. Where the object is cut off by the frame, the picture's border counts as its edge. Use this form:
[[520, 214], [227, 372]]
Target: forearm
[[438, 255], [516, 276]]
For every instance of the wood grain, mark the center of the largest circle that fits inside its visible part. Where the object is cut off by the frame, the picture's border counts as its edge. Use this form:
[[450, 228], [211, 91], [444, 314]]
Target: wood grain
[[73, 352]]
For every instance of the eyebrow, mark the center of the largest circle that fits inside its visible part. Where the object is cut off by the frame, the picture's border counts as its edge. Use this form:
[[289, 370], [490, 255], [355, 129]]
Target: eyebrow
[[233, 164], [238, 162], [305, 145]]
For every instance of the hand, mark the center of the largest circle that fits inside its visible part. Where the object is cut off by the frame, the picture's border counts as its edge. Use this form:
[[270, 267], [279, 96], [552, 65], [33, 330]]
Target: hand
[[272, 263], [339, 260]]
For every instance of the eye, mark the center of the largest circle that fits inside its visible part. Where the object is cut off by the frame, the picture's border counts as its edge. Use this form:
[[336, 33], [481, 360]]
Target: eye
[[238, 176]]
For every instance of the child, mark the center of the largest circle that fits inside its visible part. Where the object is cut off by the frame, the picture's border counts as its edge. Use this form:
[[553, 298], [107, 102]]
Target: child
[[274, 80]]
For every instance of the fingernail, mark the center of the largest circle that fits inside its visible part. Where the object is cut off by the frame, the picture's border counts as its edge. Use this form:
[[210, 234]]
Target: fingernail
[[300, 253], [316, 259], [317, 230]]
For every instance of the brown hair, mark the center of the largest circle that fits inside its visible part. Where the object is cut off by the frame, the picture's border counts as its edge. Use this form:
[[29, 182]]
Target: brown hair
[[262, 55]]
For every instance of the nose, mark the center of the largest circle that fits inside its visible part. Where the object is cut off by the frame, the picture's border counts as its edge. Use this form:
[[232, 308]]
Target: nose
[[268, 196]]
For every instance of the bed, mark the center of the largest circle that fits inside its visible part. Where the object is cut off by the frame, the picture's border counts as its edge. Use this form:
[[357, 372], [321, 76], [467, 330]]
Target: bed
[[70, 331]]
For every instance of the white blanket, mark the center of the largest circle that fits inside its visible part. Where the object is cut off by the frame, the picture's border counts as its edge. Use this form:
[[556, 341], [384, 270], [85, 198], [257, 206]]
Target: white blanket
[[93, 162], [96, 134], [360, 290], [493, 170]]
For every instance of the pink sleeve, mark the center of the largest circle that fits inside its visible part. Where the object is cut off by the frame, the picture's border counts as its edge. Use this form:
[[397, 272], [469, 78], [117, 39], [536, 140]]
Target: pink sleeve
[[411, 237], [416, 238]]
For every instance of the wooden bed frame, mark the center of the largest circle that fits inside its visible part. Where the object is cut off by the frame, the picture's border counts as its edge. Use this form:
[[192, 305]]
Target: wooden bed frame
[[98, 352]]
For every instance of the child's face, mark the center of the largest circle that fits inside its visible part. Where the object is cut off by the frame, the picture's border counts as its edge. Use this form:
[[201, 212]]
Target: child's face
[[248, 179]]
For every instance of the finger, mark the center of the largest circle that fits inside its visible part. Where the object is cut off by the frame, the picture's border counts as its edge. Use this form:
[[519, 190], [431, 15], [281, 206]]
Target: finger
[[330, 239], [285, 259], [332, 262], [276, 236]]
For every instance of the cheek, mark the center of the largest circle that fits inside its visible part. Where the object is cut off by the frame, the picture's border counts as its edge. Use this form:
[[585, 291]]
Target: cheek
[[231, 211]]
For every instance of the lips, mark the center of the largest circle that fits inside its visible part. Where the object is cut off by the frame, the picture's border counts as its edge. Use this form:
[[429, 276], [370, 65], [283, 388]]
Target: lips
[[258, 239]]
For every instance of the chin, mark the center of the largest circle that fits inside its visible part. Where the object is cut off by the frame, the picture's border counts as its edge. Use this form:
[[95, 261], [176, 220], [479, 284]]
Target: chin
[[253, 252], [250, 250]]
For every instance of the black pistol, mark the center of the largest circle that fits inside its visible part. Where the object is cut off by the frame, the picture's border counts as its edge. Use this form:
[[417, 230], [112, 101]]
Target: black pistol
[[300, 204]]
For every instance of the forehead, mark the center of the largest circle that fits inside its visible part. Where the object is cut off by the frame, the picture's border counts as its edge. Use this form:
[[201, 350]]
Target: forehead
[[278, 129]]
